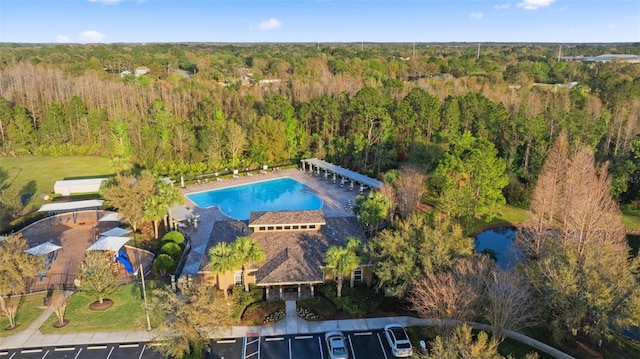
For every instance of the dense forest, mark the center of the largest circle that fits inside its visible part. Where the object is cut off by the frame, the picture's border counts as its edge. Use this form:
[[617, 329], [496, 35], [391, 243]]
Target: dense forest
[[199, 108]]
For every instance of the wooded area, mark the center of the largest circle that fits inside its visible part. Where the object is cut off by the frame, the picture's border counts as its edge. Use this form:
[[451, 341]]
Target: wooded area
[[205, 108]]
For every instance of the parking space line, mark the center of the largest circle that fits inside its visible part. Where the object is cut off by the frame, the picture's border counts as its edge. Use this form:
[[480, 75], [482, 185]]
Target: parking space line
[[77, 355], [29, 351], [97, 347], [142, 351], [320, 344], [45, 354], [12, 355], [244, 347], [110, 351], [63, 349], [382, 346], [362, 333], [353, 353], [253, 341], [304, 337], [290, 352], [272, 339]]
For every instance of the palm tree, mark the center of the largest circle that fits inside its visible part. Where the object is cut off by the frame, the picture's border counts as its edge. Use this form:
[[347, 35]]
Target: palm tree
[[248, 251], [340, 261], [223, 258], [169, 196], [154, 211]]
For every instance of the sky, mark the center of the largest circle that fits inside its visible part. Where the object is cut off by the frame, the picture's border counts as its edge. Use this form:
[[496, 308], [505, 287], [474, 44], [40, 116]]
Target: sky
[[148, 21]]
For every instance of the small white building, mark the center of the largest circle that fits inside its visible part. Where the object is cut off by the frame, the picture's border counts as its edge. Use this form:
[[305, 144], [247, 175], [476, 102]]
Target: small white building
[[69, 187]]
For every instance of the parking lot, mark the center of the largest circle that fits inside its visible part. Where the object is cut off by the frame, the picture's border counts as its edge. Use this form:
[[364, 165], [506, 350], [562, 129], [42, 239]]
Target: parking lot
[[361, 345], [107, 351]]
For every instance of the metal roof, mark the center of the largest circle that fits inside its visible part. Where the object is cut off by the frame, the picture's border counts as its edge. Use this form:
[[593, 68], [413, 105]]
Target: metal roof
[[115, 232], [109, 244], [42, 249], [70, 206], [357, 177]]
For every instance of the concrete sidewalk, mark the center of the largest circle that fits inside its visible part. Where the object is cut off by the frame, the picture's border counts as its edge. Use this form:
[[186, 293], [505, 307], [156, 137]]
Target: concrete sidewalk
[[290, 325]]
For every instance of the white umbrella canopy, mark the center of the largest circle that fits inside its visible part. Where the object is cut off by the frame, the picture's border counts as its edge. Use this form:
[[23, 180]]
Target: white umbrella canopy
[[109, 244], [42, 249], [115, 232]]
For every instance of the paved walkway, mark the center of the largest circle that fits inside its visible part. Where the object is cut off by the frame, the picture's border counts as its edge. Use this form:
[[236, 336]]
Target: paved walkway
[[291, 324]]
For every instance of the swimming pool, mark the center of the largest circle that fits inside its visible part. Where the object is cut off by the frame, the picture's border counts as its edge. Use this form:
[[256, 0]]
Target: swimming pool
[[272, 195]]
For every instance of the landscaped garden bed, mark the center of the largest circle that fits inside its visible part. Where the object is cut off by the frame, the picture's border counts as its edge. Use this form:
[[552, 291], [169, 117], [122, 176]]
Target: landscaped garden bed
[[263, 313]]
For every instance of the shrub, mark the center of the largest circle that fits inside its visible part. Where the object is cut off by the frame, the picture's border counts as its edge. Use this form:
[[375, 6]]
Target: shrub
[[242, 299], [321, 306], [355, 302], [173, 236], [172, 250], [163, 264]]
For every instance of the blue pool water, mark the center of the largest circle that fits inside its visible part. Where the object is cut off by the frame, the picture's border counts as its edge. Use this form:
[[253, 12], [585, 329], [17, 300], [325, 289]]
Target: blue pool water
[[273, 195]]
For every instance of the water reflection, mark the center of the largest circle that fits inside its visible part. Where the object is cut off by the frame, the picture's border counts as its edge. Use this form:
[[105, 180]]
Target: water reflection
[[498, 243]]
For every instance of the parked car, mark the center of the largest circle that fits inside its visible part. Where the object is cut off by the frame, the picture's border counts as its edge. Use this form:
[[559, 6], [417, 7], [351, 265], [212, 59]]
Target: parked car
[[398, 340], [337, 345]]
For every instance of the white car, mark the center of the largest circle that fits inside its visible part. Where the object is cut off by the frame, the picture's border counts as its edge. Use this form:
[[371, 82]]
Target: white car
[[398, 340], [337, 345]]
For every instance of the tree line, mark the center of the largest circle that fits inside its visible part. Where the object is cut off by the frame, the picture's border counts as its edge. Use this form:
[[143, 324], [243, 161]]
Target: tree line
[[201, 108]]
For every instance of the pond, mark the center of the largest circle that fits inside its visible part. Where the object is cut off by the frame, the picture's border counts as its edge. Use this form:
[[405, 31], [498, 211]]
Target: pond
[[498, 242]]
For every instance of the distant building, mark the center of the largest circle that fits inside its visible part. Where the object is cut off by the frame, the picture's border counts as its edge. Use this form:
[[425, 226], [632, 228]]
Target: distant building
[[603, 58], [141, 70]]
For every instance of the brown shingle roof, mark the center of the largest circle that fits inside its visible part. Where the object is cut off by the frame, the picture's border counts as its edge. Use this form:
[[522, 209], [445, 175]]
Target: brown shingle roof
[[286, 217], [291, 256]]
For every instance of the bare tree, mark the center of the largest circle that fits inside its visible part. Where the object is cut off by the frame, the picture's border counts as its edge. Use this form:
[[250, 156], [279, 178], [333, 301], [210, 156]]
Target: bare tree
[[409, 188], [236, 141], [577, 256], [510, 304], [454, 294], [544, 209]]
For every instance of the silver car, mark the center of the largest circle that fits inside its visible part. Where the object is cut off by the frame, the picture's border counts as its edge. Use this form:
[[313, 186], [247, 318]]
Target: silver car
[[337, 345], [398, 340]]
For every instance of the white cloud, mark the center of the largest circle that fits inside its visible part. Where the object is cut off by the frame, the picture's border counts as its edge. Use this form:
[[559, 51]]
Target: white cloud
[[476, 15], [61, 39], [535, 4], [270, 24], [91, 36], [106, 1], [503, 6]]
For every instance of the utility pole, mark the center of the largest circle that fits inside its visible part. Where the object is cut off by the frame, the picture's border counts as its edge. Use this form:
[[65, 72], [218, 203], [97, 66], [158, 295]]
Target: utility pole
[[144, 296], [559, 52], [478, 53]]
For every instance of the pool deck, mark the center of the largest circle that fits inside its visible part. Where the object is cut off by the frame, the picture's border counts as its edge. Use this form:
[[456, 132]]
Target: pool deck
[[333, 196]]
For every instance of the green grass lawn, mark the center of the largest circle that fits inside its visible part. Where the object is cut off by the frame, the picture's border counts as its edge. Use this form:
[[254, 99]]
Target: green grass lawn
[[30, 309], [127, 312], [36, 175]]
